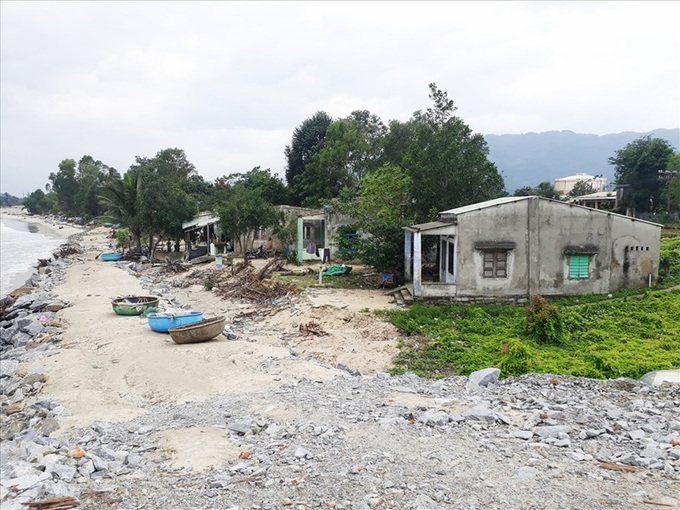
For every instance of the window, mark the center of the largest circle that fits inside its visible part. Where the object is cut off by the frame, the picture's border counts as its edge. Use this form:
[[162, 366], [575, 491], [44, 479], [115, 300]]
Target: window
[[495, 264], [307, 232], [578, 266]]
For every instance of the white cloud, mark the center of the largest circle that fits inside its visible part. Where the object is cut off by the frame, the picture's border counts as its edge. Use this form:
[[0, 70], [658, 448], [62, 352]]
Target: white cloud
[[228, 82]]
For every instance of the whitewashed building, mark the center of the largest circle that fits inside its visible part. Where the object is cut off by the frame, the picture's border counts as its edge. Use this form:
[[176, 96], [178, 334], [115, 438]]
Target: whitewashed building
[[564, 185]]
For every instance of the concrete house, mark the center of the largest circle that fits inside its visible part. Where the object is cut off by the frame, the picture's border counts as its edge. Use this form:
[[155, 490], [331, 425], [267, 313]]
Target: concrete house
[[508, 249], [316, 234]]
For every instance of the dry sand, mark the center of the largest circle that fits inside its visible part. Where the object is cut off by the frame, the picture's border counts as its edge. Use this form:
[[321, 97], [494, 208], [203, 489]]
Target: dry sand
[[110, 367]]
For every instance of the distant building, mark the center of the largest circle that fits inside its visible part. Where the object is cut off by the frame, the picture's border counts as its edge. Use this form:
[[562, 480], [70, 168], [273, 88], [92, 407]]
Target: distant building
[[564, 185], [600, 200]]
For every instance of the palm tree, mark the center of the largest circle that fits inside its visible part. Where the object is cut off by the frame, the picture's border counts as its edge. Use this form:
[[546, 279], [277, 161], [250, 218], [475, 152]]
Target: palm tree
[[120, 197]]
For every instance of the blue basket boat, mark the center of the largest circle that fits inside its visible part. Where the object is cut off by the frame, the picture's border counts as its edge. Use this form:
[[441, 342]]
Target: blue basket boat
[[112, 256], [161, 322]]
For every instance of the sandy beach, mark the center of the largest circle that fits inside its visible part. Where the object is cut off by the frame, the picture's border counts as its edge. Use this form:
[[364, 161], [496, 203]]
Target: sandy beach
[[110, 367]]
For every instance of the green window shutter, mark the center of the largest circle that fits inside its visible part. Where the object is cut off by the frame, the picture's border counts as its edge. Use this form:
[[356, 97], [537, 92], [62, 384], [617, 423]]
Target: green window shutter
[[578, 266]]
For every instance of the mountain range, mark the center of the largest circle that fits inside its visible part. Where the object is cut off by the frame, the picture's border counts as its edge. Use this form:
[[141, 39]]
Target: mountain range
[[531, 158]]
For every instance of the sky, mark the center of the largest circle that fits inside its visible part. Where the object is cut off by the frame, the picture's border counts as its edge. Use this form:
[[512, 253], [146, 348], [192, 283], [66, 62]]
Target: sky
[[228, 82]]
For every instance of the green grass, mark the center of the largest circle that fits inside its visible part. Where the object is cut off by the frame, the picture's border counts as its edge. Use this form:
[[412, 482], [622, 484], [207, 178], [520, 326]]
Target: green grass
[[626, 335], [617, 338]]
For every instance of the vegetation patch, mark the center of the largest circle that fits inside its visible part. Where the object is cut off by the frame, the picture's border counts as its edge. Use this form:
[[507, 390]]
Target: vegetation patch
[[625, 337]]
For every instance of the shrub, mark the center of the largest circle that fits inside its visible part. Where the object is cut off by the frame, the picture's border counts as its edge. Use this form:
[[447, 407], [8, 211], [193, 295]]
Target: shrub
[[123, 237], [208, 284], [517, 358], [544, 322]]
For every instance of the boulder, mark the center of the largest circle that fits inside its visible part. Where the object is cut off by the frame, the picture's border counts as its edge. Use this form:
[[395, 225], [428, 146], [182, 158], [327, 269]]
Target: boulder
[[659, 377], [485, 377]]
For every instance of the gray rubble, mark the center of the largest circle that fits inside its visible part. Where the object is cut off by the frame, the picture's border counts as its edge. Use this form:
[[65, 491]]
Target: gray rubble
[[356, 442]]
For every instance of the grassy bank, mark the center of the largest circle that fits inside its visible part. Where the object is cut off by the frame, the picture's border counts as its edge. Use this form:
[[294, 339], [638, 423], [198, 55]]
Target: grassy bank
[[632, 333]]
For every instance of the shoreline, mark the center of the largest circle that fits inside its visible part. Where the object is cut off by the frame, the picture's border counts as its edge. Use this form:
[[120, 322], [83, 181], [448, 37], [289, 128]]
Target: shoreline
[[46, 225], [36, 224]]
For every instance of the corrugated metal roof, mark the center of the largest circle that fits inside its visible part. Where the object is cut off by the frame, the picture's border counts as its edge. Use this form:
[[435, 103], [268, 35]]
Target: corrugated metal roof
[[203, 219]]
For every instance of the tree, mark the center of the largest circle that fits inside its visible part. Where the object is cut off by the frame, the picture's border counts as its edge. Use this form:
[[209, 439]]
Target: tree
[[7, 200], [243, 213], [581, 188], [161, 200], [671, 183], [200, 190], [381, 209], [170, 163], [308, 139], [120, 198], [638, 165], [38, 202], [164, 206], [352, 149], [543, 189], [270, 187], [65, 185], [90, 177], [397, 140], [447, 163]]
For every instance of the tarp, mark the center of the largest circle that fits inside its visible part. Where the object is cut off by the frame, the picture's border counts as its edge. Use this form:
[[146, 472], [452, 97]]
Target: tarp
[[336, 270]]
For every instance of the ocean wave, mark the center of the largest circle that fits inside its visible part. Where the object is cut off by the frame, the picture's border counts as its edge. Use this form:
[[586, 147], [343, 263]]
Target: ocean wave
[[20, 248]]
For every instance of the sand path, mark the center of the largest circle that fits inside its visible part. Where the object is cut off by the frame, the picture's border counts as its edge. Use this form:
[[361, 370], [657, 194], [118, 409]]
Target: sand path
[[110, 367]]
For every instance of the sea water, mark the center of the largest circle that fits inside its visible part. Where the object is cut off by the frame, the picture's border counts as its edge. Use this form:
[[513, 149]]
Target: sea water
[[21, 245]]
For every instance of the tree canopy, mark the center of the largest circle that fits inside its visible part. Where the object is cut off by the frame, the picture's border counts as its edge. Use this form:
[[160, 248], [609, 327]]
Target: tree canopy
[[381, 209], [542, 189], [308, 139], [447, 162], [638, 165]]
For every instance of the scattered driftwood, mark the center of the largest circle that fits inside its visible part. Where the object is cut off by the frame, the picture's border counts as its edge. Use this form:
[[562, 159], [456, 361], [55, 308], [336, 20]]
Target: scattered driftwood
[[616, 467], [249, 285], [202, 259], [60, 503], [272, 265], [312, 328], [173, 266], [66, 250]]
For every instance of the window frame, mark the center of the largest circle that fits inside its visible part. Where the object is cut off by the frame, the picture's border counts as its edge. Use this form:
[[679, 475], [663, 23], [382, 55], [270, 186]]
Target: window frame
[[498, 260], [575, 263]]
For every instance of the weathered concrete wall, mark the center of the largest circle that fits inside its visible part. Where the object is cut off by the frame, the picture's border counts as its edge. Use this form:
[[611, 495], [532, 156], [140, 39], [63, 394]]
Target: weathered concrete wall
[[503, 223], [622, 252], [559, 226], [634, 253]]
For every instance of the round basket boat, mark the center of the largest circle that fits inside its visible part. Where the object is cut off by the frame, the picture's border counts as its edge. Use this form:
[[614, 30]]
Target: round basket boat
[[162, 322], [134, 305], [111, 256], [201, 331]]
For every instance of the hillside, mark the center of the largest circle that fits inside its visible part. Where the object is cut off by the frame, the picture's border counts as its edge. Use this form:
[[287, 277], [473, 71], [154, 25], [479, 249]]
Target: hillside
[[530, 158]]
